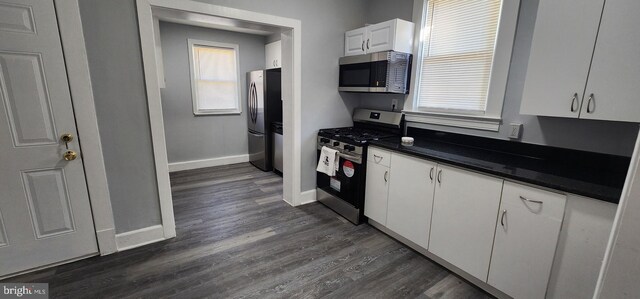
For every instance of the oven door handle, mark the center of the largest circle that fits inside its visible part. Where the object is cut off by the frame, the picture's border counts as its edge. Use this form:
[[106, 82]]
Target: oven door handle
[[353, 159]]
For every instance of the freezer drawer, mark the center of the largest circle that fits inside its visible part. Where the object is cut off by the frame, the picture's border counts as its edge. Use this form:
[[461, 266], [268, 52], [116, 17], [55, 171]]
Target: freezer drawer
[[257, 151]]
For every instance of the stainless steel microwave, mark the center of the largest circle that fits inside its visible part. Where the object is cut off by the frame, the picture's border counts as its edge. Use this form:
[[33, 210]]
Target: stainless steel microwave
[[381, 72]]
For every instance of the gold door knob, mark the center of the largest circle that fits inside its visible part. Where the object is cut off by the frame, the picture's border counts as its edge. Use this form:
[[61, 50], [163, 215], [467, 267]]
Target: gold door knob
[[66, 138], [70, 155]]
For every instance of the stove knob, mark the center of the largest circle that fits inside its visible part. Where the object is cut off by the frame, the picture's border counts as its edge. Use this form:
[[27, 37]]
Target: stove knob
[[336, 143], [324, 140], [349, 147]]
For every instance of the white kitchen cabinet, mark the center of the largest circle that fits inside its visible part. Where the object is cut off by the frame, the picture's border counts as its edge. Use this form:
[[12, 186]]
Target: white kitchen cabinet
[[525, 240], [354, 41], [273, 55], [410, 201], [612, 89], [377, 186], [396, 35], [566, 60], [463, 223]]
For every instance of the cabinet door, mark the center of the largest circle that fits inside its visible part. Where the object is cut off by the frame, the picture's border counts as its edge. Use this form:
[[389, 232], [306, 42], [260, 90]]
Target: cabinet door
[[380, 36], [377, 187], [526, 238], [354, 42], [561, 49], [411, 198], [463, 224], [615, 69], [273, 55]]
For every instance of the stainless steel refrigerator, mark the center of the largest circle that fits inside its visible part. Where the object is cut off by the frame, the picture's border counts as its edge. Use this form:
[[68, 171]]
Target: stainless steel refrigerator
[[264, 106]]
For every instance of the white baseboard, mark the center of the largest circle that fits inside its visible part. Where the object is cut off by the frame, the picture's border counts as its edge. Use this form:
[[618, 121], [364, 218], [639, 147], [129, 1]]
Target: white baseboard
[[195, 164], [139, 237], [308, 196], [107, 241]]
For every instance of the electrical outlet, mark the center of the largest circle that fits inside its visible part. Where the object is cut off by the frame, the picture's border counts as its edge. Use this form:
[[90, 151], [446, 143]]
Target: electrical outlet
[[515, 131]]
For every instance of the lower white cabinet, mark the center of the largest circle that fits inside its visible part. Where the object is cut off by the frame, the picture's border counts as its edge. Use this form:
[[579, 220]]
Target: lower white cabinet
[[464, 219], [377, 188], [411, 198], [525, 240]]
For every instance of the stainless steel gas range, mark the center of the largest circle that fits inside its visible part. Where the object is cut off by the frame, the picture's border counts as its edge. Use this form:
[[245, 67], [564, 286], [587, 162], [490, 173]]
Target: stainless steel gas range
[[344, 192]]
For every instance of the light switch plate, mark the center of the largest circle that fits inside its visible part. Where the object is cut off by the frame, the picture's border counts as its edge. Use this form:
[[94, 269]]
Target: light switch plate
[[515, 130]]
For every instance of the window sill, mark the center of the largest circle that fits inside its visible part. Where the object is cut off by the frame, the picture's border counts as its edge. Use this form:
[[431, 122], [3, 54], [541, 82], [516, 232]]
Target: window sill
[[485, 123], [225, 112]]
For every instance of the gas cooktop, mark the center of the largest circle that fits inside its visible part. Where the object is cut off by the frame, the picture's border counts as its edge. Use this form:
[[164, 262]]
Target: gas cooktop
[[353, 135]]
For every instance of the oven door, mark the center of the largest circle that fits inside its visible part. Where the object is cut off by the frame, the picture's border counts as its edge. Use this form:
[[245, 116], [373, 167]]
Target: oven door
[[347, 184]]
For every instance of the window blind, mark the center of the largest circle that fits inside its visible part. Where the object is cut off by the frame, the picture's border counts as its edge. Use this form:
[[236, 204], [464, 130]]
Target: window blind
[[216, 77], [457, 54]]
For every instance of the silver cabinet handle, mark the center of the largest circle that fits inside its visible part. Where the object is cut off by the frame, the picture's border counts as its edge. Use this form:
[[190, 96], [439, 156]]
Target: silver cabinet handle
[[573, 102], [591, 100], [377, 158], [363, 45], [385, 175], [440, 177], [504, 213], [531, 200], [431, 174]]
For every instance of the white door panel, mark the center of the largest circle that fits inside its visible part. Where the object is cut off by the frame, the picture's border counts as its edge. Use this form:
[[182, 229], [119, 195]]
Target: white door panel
[[45, 216]]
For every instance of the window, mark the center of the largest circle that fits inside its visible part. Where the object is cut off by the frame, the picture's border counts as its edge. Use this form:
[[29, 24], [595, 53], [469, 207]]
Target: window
[[463, 61], [215, 81]]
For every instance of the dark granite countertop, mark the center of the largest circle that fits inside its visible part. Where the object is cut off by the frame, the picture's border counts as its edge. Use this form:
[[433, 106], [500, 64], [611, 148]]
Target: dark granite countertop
[[598, 176]]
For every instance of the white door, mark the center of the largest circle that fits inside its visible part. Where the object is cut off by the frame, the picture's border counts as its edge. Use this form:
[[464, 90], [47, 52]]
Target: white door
[[380, 36], [526, 238], [615, 69], [410, 201], [45, 213], [561, 49], [354, 41], [465, 208], [377, 185]]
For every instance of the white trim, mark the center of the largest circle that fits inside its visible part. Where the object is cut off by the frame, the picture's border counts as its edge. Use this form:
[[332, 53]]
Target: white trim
[[308, 196], [498, 80], [473, 122], [194, 85], [291, 93], [73, 46], [147, 44], [630, 191], [203, 163], [140, 237]]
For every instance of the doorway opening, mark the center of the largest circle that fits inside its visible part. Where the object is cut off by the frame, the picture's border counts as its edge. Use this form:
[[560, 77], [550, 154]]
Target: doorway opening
[[150, 15]]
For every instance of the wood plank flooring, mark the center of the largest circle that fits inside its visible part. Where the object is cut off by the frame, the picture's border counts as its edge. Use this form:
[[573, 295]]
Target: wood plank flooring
[[236, 238]]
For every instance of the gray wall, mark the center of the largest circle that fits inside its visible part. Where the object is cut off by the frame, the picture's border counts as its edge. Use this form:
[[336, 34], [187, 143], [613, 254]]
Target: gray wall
[[598, 136], [113, 49], [191, 137], [116, 68]]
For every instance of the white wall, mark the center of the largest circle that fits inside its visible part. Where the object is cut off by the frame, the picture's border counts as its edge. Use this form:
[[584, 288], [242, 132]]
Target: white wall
[[201, 137]]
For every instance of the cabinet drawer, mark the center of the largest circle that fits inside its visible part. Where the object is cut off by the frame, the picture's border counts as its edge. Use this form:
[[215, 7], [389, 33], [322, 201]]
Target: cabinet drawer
[[538, 201], [379, 156]]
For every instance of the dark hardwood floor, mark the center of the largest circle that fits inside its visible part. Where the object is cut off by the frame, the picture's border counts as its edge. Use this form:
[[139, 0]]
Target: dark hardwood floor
[[236, 238]]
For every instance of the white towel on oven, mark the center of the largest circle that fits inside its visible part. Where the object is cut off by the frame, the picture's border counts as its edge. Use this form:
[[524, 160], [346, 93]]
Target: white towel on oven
[[328, 162]]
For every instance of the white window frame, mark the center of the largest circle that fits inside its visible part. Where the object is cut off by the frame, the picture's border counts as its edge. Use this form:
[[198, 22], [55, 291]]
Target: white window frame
[[492, 117], [194, 86]]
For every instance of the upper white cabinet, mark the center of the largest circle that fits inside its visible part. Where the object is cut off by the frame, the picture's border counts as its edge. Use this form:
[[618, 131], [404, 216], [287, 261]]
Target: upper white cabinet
[[613, 92], [464, 219], [273, 55], [377, 185], [411, 198], [525, 242], [396, 35], [561, 78]]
